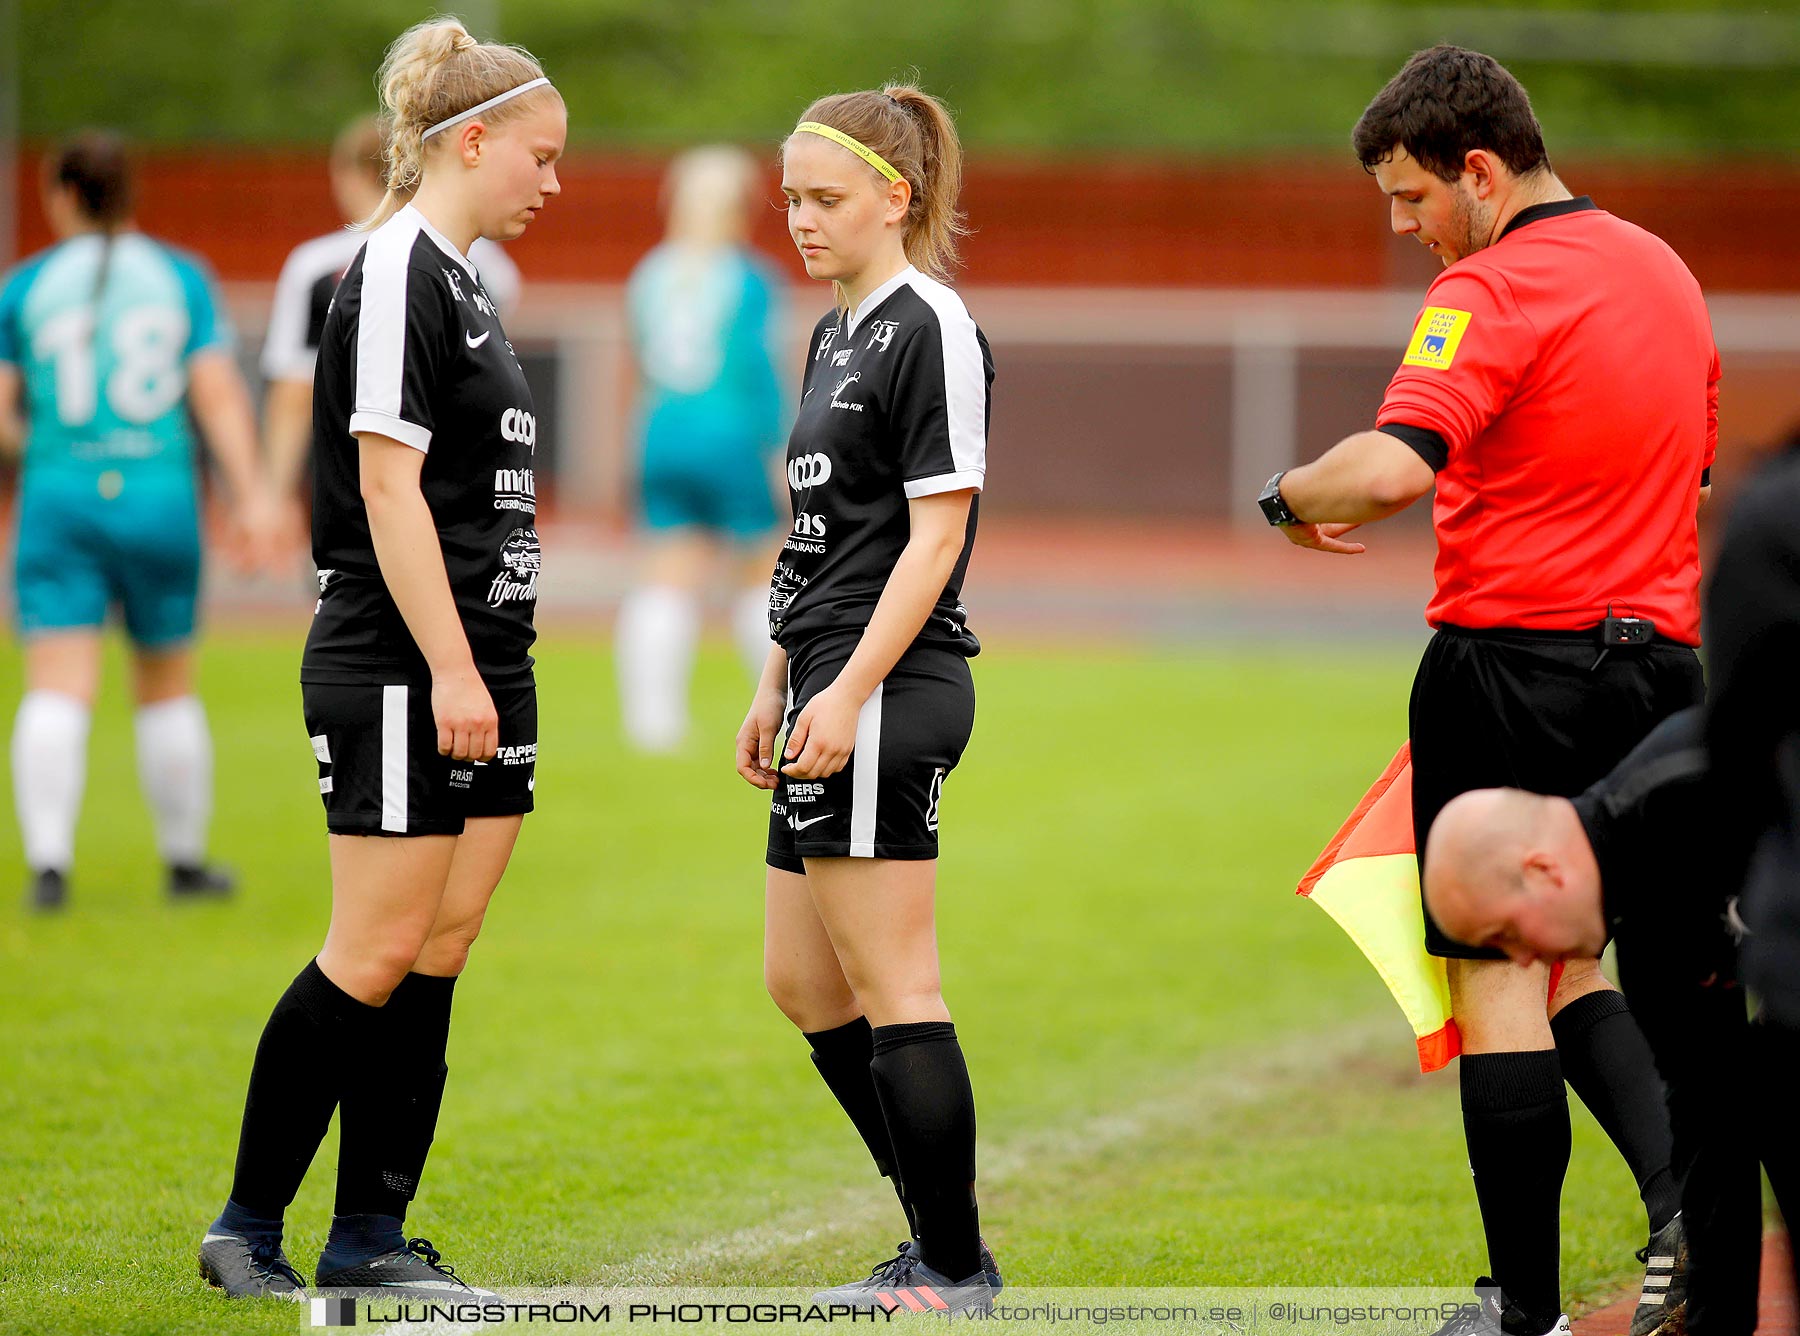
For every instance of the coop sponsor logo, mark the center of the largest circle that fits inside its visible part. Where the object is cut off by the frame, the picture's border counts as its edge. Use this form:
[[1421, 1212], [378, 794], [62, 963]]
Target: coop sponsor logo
[[518, 425], [808, 471]]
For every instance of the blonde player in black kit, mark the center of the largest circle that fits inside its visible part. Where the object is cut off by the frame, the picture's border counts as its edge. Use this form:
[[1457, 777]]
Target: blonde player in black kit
[[417, 679], [870, 666]]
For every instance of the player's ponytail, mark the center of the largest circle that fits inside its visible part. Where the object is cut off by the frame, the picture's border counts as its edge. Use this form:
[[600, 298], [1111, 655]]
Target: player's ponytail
[[433, 72], [913, 132], [95, 167], [934, 223]]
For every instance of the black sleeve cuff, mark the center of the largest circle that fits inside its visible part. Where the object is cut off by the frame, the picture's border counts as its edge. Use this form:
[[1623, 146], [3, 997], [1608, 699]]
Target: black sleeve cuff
[[1706, 476], [1426, 443]]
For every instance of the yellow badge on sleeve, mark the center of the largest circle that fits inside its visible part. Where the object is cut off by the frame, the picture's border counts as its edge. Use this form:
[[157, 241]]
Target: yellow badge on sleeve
[[1437, 338]]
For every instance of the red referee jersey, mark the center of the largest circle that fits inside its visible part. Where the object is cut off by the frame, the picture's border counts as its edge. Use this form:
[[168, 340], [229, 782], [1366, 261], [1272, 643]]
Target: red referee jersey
[[1569, 375]]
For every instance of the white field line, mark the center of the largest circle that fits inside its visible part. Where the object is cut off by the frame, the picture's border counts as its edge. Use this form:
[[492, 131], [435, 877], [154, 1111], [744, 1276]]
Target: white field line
[[1220, 1083]]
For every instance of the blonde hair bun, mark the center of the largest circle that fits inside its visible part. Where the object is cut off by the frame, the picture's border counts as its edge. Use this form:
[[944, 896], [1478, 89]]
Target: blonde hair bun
[[436, 70]]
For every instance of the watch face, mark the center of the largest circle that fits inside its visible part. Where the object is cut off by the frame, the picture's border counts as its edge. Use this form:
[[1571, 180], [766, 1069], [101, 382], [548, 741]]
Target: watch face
[[1273, 507]]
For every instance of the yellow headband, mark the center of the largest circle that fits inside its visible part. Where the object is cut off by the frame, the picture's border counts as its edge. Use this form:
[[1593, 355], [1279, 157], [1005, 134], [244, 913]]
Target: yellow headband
[[862, 151]]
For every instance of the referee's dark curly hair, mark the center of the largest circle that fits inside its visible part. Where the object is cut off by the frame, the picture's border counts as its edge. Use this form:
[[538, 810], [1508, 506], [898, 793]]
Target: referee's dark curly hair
[[1444, 103]]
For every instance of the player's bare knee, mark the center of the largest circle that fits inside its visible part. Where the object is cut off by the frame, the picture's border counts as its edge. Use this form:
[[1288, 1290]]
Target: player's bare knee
[[1499, 1006], [1579, 978], [446, 953], [810, 1003], [785, 991], [370, 973], [903, 1005]]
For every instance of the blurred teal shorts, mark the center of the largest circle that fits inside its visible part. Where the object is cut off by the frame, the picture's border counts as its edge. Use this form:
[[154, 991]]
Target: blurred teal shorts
[[718, 481], [86, 544]]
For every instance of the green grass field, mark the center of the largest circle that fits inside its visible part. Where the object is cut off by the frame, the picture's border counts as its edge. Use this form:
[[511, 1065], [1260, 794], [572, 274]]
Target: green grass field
[[1185, 1075]]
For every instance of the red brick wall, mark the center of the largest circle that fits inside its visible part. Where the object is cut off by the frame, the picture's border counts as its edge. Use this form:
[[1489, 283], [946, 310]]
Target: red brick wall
[[1255, 224]]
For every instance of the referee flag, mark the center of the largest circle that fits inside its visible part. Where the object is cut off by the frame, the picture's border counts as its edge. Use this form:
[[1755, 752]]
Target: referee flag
[[1368, 881]]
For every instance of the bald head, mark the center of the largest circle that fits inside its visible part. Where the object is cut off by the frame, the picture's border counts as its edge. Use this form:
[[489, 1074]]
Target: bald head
[[1514, 870]]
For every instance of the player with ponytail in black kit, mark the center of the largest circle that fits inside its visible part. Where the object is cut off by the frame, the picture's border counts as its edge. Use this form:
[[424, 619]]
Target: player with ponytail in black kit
[[870, 667]]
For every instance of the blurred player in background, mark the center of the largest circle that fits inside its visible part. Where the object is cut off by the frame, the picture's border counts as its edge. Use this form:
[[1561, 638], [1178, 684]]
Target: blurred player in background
[[706, 321], [870, 667], [303, 295], [417, 680], [107, 340]]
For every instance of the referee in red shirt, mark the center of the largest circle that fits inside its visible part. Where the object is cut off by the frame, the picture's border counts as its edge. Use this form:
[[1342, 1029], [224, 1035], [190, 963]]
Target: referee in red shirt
[[1560, 391]]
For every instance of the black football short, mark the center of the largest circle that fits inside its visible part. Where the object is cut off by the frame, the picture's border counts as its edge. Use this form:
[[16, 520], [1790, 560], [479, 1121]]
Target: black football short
[[884, 802], [379, 768], [1536, 711]]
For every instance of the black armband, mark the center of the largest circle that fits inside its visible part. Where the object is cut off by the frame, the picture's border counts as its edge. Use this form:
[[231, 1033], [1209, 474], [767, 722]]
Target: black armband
[[1426, 443]]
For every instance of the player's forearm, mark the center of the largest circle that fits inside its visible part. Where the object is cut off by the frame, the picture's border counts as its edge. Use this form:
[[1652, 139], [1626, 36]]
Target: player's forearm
[[287, 427], [234, 451], [12, 425], [1365, 477], [912, 591], [412, 566], [221, 403], [774, 673]]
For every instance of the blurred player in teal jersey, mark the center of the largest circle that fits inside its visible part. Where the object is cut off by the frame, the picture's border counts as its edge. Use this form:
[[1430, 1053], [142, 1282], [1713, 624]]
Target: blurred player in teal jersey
[[107, 339], [706, 319]]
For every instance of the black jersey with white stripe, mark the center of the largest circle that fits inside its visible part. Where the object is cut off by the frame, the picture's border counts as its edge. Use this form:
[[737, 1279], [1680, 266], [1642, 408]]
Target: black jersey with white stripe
[[413, 349], [895, 405], [309, 280]]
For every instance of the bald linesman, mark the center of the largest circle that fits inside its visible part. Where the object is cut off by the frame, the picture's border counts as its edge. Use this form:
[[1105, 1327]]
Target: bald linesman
[[1637, 858], [1560, 392]]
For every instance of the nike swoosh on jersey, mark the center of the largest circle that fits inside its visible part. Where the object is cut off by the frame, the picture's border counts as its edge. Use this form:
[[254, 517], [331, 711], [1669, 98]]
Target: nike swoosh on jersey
[[474, 342], [810, 821]]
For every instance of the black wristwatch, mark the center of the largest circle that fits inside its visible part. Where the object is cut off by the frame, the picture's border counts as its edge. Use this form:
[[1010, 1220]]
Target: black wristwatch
[[1273, 506]]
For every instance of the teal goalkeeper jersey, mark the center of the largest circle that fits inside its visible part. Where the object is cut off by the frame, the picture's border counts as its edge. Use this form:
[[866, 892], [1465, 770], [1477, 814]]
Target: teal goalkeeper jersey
[[706, 324], [104, 356]]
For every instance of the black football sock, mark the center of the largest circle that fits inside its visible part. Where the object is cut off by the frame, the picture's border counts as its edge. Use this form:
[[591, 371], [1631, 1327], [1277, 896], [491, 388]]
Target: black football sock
[[842, 1056], [360, 1238], [923, 1083], [314, 1030], [1516, 1121], [1608, 1063], [390, 1111], [235, 1219]]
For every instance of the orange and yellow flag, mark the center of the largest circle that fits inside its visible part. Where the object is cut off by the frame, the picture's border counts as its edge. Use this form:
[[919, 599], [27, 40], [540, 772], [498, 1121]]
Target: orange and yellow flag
[[1368, 881]]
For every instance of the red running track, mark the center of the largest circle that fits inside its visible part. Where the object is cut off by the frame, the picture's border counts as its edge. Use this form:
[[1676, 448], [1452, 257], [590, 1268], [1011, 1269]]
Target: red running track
[[1777, 1315]]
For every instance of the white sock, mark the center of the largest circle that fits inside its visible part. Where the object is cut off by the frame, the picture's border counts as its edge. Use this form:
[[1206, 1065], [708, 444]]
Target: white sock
[[750, 627], [174, 751], [654, 649], [49, 761]]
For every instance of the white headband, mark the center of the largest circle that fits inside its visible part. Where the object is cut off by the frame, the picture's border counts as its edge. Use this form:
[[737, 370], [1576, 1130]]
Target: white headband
[[480, 107]]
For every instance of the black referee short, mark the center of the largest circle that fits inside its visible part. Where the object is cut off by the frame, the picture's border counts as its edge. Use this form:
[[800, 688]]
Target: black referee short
[[379, 768], [884, 802], [1531, 710]]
